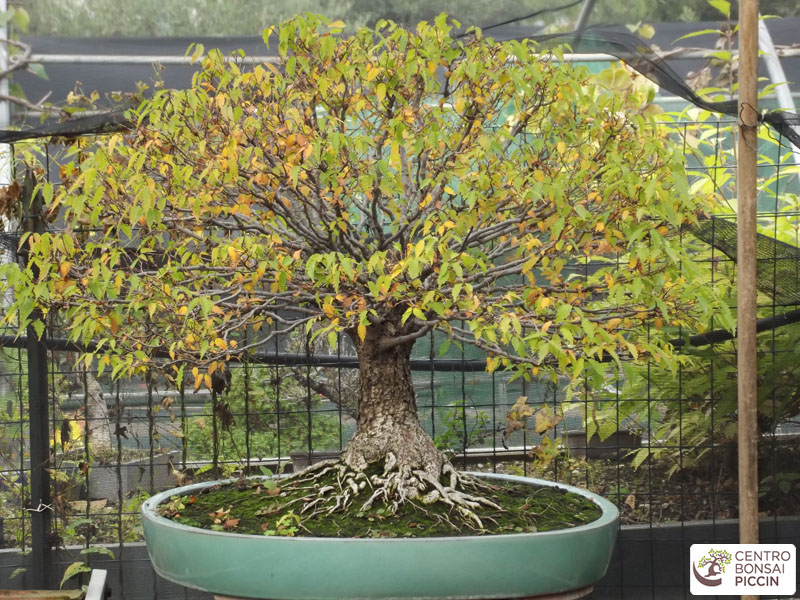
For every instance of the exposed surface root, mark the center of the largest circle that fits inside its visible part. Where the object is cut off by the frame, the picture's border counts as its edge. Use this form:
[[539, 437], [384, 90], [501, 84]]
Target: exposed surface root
[[390, 489]]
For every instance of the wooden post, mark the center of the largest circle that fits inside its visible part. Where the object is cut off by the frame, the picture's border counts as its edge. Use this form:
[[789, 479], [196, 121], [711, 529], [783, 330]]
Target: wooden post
[[747, 173]]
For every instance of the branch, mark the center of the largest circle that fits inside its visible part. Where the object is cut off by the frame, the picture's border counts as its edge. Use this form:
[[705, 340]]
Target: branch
[[388, 343]]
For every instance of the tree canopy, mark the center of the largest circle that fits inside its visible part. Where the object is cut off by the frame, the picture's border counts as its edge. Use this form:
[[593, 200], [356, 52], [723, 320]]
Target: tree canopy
[[404, 181]]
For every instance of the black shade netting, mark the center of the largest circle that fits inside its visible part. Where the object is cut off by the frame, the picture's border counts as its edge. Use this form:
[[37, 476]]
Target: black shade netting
[[625, 46], [777, 263]]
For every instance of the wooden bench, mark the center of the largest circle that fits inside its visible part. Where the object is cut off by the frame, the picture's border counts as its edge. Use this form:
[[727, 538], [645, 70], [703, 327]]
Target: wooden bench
[[96, 590]]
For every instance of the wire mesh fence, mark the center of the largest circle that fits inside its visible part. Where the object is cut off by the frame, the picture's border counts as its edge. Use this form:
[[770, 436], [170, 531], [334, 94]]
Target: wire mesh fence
[[660, 444]]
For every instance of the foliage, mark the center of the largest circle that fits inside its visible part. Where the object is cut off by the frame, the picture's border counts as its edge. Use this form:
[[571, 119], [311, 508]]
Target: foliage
[[697, 410], [455, 434], [340, 193], [274, 398], [83, 566]]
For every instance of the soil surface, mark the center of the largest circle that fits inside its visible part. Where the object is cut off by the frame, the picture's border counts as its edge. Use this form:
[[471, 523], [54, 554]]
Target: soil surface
[[258, 506]]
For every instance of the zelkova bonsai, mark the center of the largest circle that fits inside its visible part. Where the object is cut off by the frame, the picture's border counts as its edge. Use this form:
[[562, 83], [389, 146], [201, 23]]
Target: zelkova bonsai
[[384, 185]]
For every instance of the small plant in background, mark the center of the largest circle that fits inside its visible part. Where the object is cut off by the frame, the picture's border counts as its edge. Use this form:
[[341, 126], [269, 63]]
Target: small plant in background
[[460, 428], [274, 396]]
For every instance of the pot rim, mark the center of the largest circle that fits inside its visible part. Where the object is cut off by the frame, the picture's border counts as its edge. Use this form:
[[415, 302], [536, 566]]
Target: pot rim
[[609, 514]]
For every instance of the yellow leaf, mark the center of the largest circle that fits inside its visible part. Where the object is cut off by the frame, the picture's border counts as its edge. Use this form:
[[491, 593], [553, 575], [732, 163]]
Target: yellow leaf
[[613, 323], [449, 190], [561, 147], [362, 331], [183, 310], [538, 176], [372, 73], [336, 25], [115, 139], [546, 326], [600, 226], [207, 380], [221, 344], [545, 419], [380, 91], [64, 268], [233, 255]]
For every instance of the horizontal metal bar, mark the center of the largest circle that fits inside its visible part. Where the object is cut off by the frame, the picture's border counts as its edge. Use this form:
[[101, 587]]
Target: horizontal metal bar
[[129, 59], [417, 364]]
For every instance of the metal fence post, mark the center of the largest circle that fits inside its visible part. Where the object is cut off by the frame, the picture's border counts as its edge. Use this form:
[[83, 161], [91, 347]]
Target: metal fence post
[[40, 509]]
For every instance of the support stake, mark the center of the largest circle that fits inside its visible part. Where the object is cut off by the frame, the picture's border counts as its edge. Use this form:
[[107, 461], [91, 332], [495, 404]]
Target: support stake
[[746, 185]]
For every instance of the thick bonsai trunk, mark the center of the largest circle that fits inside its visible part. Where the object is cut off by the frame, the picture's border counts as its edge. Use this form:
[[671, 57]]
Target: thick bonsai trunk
[[406, 466], [389, 433]]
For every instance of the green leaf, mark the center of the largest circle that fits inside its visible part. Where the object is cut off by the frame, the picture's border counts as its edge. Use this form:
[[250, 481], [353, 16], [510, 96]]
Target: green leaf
[[722, 6], [38, 70], [38, 326], [21, 19], [74, 569], [701, 32], [640, 457], [380, 91], [98, 550]]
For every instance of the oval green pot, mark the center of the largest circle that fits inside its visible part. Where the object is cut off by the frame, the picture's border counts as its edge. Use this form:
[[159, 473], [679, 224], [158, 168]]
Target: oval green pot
[[304, 568]]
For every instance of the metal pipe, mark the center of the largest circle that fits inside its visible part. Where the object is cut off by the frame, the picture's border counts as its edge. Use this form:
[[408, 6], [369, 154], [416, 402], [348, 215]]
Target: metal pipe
[[776, 73], [126, 59], [583, 17]]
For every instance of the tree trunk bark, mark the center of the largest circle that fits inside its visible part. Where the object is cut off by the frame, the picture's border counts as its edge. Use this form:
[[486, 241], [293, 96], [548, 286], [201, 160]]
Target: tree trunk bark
[[98, 425], [389, 432]]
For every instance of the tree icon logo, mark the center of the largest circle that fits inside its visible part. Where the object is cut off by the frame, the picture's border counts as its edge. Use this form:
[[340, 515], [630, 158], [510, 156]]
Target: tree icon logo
[[714, 562]]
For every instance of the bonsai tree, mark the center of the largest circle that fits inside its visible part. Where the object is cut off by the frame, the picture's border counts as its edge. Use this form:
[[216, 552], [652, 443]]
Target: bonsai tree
[[383, 186]]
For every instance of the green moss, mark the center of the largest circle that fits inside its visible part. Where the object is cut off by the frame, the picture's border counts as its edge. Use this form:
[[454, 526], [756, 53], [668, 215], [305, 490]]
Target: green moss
[[251, 507]]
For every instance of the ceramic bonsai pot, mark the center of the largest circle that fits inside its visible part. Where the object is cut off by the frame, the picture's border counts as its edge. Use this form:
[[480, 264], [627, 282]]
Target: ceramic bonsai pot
[[524, 565]]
